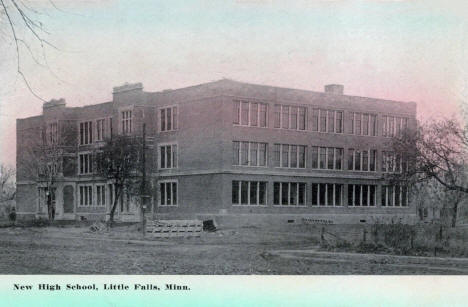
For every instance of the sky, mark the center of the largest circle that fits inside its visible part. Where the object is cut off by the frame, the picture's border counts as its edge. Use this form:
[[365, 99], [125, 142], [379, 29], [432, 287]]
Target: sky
[[408, 50]]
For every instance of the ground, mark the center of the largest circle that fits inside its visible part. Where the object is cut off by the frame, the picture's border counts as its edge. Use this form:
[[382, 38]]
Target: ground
[[77, 250]]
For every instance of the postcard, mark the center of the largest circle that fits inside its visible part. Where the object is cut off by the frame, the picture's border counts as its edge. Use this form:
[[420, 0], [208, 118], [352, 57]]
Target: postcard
[[233, 153]]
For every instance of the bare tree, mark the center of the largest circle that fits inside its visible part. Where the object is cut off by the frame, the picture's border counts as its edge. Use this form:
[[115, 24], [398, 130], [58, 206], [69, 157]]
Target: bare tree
[[43, 158], [7, 183], [118, 161], [21, 21], [437, 151]]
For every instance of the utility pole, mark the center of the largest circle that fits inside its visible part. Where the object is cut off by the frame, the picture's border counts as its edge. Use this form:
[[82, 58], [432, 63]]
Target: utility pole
[[143, 183]]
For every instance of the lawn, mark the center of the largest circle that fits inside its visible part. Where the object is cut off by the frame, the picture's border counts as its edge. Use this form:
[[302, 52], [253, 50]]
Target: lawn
[[77, 250]]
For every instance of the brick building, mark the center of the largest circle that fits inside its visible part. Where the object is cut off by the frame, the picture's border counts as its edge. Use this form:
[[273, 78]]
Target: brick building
[[227, 149]]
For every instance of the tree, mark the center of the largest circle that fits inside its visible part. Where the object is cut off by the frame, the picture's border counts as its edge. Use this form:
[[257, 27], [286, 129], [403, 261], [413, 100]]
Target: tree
[[20, 22], [437, 151], [42, 157], [118, 161], [7, 184]]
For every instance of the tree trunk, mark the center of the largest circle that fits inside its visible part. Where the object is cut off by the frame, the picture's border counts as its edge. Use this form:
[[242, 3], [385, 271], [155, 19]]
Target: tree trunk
[[118, 193], [454, 215]]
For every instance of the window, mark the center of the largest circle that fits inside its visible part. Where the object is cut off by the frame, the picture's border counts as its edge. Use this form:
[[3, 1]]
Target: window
[[323, 120], [327, 158], [86, 163], [86, 195], [315, 119], [363, 124], [393, 163], [168, 156], [126, 122], [249, 193], [327, 194], [248, 113], [100, 129], [100, 195], [362, 160], [168, 118], [339, 122], [395, 196], [327, 121], [168, 193], [289, 193], [53, 133], [362, 195], [86, 133], [290, 156], [249, 153]]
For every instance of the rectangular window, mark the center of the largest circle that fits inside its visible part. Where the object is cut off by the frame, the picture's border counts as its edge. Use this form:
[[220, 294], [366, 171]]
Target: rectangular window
[[285, 117], [331, 121], [236, 112], [168, 156], [339, 122], [357, 160], [330, 157], [385, 126], [53, 133], [394, 196], [250, 153], [86, 195], [338, 158], [277, 116], [323, 157], [391, 126], [315, 119], [168, 193], [250, 113], [315, 157], [290, 117], [100, 129], [327, 194], [357, 120], [290, 193], [351, 122], [365, 160], [293, 120], [85, 163], [100, 195], [302, 118], [86, 133], [323, 120], [373, 125], [350, 159], [373, 160], [365, 124], [263, 115], [126, 122], [361, 195], [254, 114], [249, 193], [168, 118], [277, 155]]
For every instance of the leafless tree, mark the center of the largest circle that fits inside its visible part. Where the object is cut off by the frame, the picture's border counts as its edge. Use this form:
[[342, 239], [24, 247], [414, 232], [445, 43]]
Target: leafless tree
[[43, 158], [7, 183], [21, 22], [119, 161], [437, 151]]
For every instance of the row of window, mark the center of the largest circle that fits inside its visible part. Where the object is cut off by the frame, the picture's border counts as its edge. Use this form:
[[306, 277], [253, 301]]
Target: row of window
[[254, 193], [86, 198], [247, 113], [168, 119], [294, 156]]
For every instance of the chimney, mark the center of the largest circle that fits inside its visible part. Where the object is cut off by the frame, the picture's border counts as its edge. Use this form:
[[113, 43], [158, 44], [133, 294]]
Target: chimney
[[336, 89], [53, 104]]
